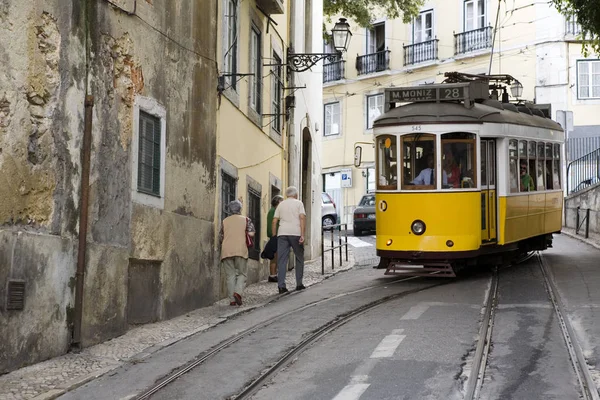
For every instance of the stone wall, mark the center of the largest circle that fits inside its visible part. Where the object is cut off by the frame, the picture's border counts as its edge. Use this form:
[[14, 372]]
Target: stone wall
[[588, 198], [53, 53]]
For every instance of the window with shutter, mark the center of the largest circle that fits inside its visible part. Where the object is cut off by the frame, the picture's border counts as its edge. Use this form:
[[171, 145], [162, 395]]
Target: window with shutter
[[228, 189], [149, 154]]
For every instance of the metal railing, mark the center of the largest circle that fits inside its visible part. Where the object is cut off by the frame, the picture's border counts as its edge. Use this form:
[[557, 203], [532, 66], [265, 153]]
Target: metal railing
[[421, 52], [572, 26], [579, 222], [375, 62], [476, 39], [334, 71], [333, 229], [583, 172]]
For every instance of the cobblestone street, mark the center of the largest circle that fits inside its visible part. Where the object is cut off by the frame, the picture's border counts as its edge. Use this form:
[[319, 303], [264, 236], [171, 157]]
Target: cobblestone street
[[49, 379]]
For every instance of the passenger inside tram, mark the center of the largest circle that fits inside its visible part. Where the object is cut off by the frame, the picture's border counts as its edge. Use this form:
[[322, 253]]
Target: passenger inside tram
[[526, 179], [427, 175], [451, 168]]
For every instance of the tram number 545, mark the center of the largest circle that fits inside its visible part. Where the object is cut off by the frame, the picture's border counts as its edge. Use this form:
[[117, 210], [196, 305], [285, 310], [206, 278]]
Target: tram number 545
[[416, 128]]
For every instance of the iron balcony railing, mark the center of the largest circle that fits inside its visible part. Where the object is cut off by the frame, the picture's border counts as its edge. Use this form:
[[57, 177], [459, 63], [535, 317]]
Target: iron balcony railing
[[583, 172], [572, 27], [333, 71], [371, 63], [478, 39], [421, 52]]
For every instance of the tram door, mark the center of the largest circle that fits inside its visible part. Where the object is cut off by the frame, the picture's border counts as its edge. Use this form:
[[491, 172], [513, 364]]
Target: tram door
[[488, 190]]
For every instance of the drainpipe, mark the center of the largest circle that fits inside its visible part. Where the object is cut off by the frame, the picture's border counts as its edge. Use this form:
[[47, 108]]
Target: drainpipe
[[83, 218]]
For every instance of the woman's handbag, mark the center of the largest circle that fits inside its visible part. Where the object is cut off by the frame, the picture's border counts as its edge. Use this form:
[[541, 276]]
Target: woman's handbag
[[249, 239]]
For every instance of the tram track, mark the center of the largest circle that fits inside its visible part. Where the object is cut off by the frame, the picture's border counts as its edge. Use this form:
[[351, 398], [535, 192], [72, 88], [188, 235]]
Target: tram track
[[474, 383], [313, 337], [584, 376]]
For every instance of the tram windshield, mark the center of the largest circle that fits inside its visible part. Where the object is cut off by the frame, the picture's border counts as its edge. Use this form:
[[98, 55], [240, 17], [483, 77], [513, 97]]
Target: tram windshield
[[387, 163], [419, 161], [458, 160]]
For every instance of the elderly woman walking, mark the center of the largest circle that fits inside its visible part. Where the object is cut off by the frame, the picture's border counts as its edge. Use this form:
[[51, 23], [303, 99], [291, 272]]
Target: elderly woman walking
[[234, 250]]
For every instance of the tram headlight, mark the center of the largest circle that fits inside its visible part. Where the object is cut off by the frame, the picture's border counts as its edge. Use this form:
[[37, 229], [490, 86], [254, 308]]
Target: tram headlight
[[418, 227]]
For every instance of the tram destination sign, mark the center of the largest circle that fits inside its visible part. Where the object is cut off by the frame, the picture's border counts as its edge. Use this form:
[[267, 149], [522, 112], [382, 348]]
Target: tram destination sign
[[466, 92], [420, 93]]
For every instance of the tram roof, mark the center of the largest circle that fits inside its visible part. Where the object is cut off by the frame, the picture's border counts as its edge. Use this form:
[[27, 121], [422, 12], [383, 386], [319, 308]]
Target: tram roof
[[485, 111]]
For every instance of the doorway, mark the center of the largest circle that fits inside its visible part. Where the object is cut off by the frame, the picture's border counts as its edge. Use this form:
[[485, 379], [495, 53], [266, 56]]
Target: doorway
[[488, 191]]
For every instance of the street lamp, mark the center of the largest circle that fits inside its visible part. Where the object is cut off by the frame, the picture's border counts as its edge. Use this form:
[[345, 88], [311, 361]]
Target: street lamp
[[516, 89], [340, 33]]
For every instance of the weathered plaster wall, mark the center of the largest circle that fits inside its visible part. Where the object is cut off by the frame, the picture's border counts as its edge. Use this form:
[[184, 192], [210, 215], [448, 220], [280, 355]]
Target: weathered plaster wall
[[166, 52]]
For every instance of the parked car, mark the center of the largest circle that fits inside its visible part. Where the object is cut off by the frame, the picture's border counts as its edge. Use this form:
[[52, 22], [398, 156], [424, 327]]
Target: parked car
[[364, 215], [329, 214]]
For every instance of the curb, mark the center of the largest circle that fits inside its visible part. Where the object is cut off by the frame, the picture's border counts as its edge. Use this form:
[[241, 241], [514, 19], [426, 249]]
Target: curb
[[80, 381], [581, 239]]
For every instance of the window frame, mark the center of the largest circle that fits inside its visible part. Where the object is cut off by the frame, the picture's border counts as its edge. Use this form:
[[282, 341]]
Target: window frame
[[231, 43], [154, 189], [377, 97], [479, 20], [254, 213], [423, 16], [371, 38], [226, 197], [396, 140], [589, 86], [277, 92], [255, 81], [151, 107], [339, 114]]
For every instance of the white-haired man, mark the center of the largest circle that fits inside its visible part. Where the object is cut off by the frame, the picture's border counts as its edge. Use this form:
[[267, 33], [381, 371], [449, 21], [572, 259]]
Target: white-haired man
[[291, 217]]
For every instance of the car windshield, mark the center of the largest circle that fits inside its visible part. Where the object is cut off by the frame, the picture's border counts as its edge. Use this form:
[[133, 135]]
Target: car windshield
[[367, 201]]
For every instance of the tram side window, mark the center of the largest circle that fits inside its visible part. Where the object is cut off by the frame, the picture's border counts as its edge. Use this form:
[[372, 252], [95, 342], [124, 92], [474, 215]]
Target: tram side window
[[549, 180], [514, 166], [541, 167], [526, 183], [419, 162], [458, 160], [387, 163], [531, 167], [556, 166]]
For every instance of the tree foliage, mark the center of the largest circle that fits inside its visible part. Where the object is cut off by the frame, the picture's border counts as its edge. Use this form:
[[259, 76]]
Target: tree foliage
[[587, 13], [363, 12]]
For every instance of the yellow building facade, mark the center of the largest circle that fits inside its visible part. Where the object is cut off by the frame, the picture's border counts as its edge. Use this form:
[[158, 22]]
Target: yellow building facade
[[531, 42], [259, 124]]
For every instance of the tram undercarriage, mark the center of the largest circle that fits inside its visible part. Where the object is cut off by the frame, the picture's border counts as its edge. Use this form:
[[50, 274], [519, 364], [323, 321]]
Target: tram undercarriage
[[451, 264]]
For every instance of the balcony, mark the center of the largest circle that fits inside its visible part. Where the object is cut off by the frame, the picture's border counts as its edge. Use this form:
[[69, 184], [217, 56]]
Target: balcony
[[371, 63], [573, 28], [333, 71], [474, 40], [421, 52], [271, 6]]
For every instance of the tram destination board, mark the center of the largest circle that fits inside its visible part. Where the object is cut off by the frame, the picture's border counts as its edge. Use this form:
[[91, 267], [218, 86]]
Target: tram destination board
[[436, 93]]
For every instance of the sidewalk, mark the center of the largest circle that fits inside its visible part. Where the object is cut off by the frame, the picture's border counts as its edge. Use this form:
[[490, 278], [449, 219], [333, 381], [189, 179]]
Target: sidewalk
[[592, 240], [52, 378]]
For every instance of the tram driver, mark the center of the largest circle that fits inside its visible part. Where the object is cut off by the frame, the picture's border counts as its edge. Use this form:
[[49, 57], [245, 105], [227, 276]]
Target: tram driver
[[427, 175]]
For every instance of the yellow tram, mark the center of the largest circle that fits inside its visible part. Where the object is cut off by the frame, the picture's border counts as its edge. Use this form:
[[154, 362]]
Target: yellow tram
[[462, 178]]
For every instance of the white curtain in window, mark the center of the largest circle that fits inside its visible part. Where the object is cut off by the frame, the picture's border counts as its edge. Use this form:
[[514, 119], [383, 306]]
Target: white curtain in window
[[374, 109], [332, 119], [475, 17], [595, 78], [423, 27]]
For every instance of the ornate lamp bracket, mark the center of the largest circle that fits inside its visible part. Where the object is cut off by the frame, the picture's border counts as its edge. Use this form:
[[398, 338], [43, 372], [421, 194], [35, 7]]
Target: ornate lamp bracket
[[303, 61]]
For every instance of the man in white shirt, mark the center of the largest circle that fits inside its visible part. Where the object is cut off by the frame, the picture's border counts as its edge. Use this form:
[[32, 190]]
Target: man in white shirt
[[292, 224], [427, 175]]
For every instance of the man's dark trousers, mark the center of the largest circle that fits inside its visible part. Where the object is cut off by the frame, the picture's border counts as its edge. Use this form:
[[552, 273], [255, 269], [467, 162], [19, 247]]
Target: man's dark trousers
[[284, 243]]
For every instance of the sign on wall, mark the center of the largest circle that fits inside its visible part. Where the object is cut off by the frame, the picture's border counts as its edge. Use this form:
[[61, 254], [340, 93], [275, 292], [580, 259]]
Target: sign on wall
[[346, 178]]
